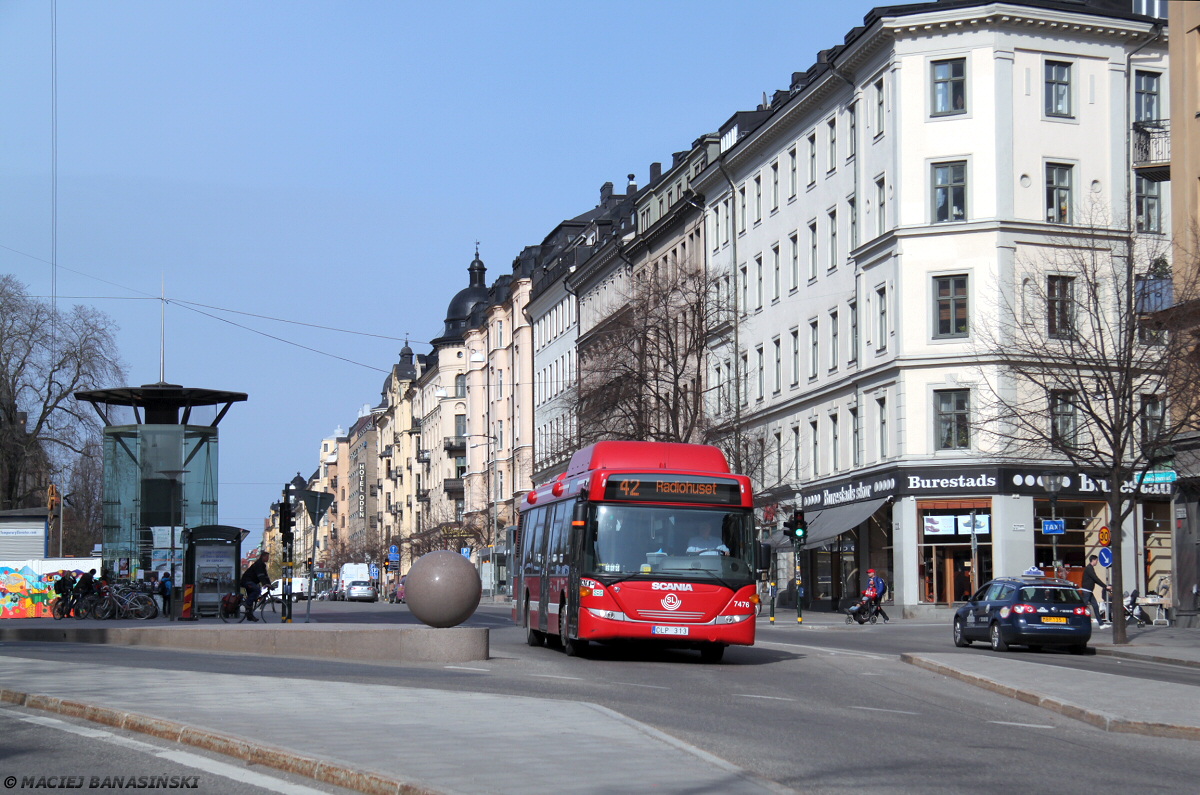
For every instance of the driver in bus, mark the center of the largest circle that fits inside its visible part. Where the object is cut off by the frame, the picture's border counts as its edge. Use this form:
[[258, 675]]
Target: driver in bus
[[705, 543]]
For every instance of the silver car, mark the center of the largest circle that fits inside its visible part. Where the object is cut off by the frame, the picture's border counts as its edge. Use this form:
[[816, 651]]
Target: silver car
[[361, 590]]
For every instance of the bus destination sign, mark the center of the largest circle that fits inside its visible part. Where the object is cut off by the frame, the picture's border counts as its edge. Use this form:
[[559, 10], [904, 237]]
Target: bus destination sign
[[677, 488]]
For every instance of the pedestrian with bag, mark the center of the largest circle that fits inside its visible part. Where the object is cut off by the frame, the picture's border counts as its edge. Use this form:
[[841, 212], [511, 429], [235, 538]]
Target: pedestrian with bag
[[165, 590], [879, 586]]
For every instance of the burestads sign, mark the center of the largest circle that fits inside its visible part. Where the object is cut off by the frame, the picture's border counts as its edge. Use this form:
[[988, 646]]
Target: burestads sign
[[854, 491]]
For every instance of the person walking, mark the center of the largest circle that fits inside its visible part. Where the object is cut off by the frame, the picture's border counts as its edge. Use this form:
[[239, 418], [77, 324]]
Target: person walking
[[165, 590], [1092, 580], [879, 586]]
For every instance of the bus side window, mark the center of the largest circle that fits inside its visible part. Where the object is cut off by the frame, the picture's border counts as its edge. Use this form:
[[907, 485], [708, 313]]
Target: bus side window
[[531, 554], [558, 535]]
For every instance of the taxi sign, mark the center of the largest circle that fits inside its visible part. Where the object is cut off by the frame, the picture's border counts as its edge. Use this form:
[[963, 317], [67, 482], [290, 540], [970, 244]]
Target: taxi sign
[[1054, 527], [1105, 536]]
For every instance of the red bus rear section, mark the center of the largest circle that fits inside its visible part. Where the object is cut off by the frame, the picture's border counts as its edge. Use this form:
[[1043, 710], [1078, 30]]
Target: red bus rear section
[[644, 541]]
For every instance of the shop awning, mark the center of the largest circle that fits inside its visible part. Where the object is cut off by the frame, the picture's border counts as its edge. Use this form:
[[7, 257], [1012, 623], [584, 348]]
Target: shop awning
[[828, 523]]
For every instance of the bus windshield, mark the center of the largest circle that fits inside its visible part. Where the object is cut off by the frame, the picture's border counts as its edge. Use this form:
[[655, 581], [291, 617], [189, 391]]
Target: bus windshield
[[626, 540]]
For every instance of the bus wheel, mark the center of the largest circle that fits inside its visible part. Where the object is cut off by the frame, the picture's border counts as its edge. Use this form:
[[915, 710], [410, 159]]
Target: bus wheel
[[532, 636], [571, 647], [712, 652]]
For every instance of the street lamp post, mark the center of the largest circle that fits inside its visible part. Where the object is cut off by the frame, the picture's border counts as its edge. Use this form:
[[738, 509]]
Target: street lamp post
[[175, 476], [1052, 482]]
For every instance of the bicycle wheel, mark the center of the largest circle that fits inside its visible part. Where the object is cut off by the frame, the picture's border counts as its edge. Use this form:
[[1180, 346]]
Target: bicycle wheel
[[56, 608], [144, 607], [104, 610], [81, 608], [265, 604]]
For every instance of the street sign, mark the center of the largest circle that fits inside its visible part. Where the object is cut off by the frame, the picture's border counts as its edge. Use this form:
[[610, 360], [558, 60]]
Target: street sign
[[1054, 527], [1105, 536], [374, 571], [1165, 476], [394, 557], [1105, 556], [393, 550]]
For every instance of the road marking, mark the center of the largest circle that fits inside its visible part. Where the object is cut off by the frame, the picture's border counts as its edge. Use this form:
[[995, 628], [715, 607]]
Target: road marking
[[551, 676], [752, 695], [1022, 725], [635, 684], [185, 758], [825, 649], [465, 668], [897, 711]]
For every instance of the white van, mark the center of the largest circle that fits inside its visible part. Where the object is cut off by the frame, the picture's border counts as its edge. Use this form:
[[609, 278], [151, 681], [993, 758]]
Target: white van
[[299, 589]]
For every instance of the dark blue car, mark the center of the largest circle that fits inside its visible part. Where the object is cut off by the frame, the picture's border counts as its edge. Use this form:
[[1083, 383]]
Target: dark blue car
[[1028, 611]]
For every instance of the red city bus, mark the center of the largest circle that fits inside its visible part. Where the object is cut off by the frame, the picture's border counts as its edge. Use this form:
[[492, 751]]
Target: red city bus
[[648, 541]]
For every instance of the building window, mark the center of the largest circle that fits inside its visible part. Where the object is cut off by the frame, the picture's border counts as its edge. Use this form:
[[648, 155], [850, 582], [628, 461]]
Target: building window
[[814, 348], [758, 275], [745, 378], [952, 419], [793, 179], [774, 186], [776, 277], [758, 199], [1152, 424], [1058, 89], [880, 107], [880, 206], [949, 192], [852, 123], [949, 86], [812, 251], [1145, 103], [796, 452], [1058, 193], [762, 385], [833, 247], [833, 340], [855, 439], [795, 241], [852, 204], [1060, 307], [832, 125], [881, 318], [816, 448], [1149, 211], [742, 208], [881, 412], [834, 442], [795, 356], [812, 159], [778, 458], [745, 291], [778, 366], [950, 306], [1062, 418], [853, 353], [728, 226]]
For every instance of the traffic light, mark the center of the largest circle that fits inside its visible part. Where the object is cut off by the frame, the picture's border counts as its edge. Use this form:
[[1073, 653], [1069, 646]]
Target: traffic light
[[308, 563], [796, 527], [285, 522]]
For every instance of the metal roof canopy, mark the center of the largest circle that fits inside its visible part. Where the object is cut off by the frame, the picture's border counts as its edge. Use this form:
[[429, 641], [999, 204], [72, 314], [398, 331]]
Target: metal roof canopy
[[160, 403]]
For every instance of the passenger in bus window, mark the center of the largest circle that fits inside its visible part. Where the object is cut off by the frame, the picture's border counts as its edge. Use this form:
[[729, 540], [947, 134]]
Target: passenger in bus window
[[706, 543]]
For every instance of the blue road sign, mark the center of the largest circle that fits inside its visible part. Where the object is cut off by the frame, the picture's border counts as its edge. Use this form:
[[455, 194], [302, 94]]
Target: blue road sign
[[1105, 555], [374, 571], [393, 550], [1054, 527], [394, 557]]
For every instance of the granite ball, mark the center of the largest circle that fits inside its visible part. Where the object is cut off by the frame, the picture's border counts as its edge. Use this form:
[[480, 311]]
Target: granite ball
[[442, 589]]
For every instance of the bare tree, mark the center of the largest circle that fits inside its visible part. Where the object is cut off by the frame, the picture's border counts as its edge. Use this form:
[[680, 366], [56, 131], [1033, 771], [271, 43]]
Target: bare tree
[[641, 370], [84, 502], [1078, 368], [45, 357]]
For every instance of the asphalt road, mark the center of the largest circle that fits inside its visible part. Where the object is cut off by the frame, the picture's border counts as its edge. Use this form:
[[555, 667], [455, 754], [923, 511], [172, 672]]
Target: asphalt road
[[817, 710]]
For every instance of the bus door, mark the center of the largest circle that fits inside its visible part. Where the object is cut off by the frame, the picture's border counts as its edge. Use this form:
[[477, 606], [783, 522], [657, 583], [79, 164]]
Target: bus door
[[554, 590], [533, 560], [576, 542]]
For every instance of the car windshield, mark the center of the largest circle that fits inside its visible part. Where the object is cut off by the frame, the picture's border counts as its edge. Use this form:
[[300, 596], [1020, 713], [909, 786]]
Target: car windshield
[[1057, 596], [359, 584]]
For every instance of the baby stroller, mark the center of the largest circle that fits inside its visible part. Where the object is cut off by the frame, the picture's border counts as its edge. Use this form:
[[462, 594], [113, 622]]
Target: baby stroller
[[864, 609], [1134, 611]]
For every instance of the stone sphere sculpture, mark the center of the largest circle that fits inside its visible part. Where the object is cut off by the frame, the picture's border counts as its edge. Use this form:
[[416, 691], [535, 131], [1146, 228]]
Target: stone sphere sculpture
[[442, 589]]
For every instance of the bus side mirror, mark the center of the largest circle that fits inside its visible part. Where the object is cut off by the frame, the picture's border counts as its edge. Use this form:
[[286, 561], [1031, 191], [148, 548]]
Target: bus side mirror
[[579, 514], [764, 557]]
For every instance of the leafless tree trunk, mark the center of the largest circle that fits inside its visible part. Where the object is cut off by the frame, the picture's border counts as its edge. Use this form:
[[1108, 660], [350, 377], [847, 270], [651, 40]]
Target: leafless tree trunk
[[1077, 367], [45, 357], [84, 502]]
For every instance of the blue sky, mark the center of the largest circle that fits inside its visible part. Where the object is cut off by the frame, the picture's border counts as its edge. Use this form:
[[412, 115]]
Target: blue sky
[[333, 163]]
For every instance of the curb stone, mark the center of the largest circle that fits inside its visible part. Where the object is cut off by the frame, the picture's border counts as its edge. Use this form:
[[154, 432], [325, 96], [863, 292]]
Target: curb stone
[[1101, 720], [366, 781]]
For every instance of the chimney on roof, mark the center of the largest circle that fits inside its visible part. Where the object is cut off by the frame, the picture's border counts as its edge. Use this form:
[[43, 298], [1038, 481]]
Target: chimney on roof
[[606, 192], [631, 188], [655, 172]]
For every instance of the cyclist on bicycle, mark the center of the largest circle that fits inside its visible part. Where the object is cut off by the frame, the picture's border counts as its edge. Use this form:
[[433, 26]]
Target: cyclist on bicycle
[[62, 588], [252, 578]]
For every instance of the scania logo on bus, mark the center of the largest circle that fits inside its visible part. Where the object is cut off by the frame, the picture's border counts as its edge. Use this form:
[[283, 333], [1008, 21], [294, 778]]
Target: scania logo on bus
[[671, 602], [671, 586]]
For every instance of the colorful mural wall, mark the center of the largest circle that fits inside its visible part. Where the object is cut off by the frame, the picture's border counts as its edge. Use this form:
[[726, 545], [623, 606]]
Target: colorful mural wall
[[27, 586]]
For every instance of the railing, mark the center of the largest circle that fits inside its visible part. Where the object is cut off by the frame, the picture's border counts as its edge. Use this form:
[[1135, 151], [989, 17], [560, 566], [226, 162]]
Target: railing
[[455, 443], [422, 456], [423, 495], [453, 484], [1152, 149]]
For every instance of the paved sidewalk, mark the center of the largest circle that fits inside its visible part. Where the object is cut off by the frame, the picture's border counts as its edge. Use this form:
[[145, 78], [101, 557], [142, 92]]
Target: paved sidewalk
[[437, 741]]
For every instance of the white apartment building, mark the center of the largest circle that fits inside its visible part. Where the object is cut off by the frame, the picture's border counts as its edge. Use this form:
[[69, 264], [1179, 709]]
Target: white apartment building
[[868, 228]]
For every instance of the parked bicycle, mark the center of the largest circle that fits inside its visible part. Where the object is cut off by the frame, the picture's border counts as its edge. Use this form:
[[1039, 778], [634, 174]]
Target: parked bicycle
[[232, 607], [123, 601]]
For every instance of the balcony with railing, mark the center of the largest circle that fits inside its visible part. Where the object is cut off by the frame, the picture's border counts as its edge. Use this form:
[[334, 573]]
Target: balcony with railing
[[422, 456], [1152, 149], [453, 443], [453, 485], [423, 495]]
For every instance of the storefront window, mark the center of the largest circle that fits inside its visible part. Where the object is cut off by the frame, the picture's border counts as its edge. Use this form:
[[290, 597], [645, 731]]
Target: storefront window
[[1081, 536], [955, 548], [1156, 542]]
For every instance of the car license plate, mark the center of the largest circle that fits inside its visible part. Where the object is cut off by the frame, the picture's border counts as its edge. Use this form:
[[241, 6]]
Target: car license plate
[[1054, 619], [669, 630]]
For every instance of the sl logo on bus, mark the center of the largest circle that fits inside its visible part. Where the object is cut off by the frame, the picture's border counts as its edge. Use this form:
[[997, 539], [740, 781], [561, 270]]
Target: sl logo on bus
[[671, 601]]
